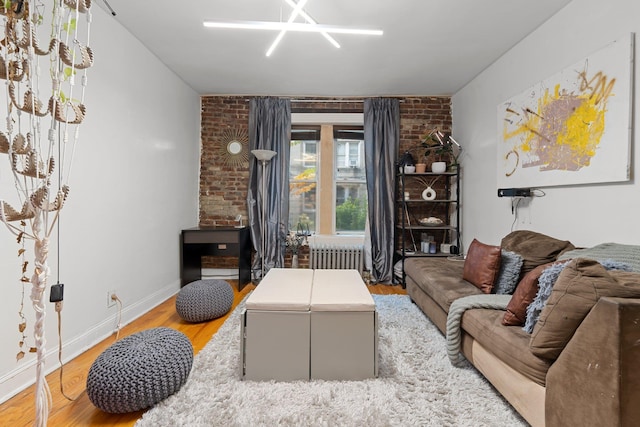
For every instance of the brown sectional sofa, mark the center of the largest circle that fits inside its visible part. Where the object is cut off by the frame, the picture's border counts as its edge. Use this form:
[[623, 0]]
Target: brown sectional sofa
[[595, 381]]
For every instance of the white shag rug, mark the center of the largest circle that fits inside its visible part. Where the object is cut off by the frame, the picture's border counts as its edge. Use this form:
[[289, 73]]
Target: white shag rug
[[417, 385]]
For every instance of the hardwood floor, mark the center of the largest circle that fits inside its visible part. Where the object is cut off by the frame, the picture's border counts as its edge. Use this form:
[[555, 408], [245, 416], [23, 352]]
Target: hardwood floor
[[19, 410]]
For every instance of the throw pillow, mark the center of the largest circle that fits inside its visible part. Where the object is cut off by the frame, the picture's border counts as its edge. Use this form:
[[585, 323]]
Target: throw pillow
[[481, 265], [545, 284], [535, 248], [510, 265], [525, 292], [578, 288]]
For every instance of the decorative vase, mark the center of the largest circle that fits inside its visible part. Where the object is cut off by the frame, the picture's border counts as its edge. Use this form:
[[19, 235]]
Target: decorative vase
[[294, 261], [429, 194], [438, 167]]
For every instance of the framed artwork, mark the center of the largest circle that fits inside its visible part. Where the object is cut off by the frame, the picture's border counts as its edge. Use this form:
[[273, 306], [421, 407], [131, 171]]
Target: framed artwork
[[573, 127]]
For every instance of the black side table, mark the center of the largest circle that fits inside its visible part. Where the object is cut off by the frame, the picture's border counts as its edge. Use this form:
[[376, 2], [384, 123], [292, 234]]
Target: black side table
[[214, 241]]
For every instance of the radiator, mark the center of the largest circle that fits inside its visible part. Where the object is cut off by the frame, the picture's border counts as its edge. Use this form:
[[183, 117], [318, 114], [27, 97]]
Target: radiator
[[342, 257]]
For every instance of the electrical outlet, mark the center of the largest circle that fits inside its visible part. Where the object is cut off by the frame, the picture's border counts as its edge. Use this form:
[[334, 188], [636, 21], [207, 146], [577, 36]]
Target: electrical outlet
[[111, 298]]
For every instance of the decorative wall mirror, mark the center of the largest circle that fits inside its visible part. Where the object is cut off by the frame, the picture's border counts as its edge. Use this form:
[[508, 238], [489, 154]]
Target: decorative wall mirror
[[233, 147]]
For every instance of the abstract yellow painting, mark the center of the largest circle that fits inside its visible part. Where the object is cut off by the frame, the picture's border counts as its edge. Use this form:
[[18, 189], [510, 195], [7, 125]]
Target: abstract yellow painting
[[572, 128]]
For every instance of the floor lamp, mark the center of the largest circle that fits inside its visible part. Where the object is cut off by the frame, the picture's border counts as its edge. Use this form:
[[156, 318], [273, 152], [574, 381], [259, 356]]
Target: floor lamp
[[264, 156]]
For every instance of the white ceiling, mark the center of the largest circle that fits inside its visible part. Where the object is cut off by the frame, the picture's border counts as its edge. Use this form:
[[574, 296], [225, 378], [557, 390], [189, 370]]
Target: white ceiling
[[429, 47]]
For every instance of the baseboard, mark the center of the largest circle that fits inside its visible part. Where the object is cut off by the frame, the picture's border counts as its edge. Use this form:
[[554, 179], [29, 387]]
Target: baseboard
[[24, 376]]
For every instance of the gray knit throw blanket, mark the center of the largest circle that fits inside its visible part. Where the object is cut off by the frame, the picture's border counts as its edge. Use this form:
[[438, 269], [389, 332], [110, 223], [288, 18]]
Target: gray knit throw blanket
[[628, 254], [457, 309]]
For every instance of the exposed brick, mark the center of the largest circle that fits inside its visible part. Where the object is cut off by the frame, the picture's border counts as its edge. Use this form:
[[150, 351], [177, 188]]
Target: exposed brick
[[223, 188]]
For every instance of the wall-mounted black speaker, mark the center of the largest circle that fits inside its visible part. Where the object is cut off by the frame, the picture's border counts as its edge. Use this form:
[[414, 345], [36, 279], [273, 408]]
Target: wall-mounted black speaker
[[514, 192]]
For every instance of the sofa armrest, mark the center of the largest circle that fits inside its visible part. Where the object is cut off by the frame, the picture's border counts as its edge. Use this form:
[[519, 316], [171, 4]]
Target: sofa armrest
[[596, 378]]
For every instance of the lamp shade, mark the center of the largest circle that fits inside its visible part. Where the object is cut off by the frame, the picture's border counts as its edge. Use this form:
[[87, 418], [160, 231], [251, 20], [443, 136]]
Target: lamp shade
[[263, 155]]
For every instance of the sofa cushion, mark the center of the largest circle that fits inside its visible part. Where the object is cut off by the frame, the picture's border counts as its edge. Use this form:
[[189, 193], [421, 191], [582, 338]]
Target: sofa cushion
[[481, 265], [580, 285], [440, 278], [525, 292], [510, 266], [510, 344], [535, 248]]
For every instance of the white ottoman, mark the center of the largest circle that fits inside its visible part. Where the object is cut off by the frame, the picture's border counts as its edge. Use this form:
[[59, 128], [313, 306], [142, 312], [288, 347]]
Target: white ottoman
[[276, 327], [344, 327]]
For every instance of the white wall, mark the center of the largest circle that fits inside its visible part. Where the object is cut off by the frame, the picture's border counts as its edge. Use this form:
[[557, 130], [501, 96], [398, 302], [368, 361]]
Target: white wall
[[584, 214], [134, 187]]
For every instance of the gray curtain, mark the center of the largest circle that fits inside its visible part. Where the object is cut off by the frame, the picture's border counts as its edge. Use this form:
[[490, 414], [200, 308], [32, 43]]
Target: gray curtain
[[381, 141], [269, 129]]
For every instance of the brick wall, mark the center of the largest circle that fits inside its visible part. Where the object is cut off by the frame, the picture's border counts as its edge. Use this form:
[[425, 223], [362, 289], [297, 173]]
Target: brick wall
[[223, 188], [420, 114]]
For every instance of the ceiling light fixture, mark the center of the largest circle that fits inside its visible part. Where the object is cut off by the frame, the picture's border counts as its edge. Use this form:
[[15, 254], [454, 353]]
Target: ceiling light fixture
[[278, 26], [310, 20], [283, 27], [296, 11]]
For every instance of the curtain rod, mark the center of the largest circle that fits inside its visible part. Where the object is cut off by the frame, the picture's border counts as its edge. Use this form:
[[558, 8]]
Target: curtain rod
[[327, 100], [336, 101], [333, 100]]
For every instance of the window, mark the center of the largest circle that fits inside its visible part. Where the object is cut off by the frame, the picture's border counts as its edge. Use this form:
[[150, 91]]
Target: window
[[348, 154], [327, 180], [302, 177], [350, 180]]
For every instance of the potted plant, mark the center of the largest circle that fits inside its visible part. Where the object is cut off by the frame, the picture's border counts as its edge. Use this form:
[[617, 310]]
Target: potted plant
[[442, 146], [421, 167], [293, 241]]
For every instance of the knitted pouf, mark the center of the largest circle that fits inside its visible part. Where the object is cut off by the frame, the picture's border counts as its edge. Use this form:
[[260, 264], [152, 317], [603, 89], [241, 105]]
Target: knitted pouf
[[140, 370], [204, 300]]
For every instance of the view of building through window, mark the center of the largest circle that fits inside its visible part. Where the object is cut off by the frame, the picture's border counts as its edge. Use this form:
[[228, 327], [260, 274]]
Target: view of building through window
[[350, 181], [303, 173], [348, 207]]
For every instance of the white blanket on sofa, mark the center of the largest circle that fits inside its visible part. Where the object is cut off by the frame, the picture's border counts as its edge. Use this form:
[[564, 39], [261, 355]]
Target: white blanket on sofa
[[457, 309]]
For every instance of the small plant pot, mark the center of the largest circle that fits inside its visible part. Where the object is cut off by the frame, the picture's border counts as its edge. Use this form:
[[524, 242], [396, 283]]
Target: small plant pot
[[438, 167], [421, 167]]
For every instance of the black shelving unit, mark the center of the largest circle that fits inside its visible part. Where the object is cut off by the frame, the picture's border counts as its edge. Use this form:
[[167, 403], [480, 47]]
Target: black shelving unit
[[446, 206]]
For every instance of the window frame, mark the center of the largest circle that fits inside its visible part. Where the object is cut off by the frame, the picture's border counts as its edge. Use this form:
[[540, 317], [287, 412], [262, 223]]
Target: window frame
[[326, 171], [305, 134]]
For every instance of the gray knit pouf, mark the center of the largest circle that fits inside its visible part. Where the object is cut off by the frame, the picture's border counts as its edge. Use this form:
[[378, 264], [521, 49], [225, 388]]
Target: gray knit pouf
[[204, 300], [140, 370]]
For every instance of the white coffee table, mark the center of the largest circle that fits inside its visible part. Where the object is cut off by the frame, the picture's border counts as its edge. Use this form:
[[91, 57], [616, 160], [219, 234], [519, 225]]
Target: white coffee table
[[344, 336], [276, 327], [310, 324]]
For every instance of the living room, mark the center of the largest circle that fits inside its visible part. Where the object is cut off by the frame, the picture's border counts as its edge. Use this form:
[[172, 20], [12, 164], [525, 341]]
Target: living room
[[137, 177]]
